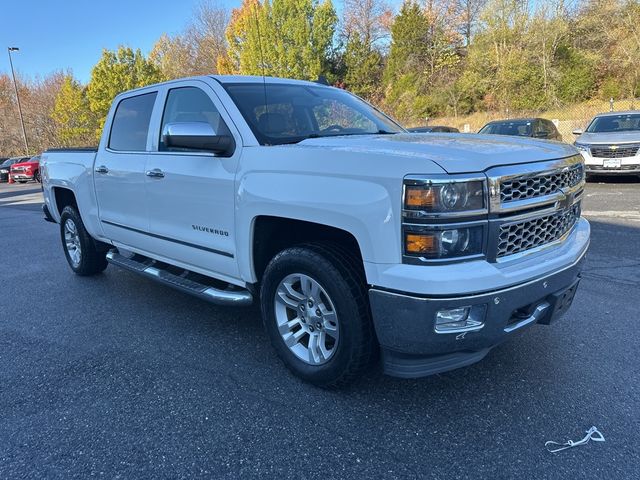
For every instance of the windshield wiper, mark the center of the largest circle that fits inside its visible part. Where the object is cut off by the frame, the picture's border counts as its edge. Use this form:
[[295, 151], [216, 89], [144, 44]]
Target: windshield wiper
[[385, 132]]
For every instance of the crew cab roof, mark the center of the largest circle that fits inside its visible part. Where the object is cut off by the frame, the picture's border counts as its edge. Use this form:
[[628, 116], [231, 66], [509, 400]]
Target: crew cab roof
[[260, 79]]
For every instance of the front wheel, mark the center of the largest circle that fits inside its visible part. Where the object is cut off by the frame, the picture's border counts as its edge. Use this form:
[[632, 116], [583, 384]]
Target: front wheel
[[79, 248], [315, 311]]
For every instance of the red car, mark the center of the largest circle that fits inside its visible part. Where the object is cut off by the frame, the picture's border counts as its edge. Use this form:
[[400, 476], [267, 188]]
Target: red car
[[24, 171]]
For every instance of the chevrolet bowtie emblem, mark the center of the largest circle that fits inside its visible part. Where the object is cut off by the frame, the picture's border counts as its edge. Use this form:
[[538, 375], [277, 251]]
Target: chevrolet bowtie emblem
[[566, 200], [613, 147]]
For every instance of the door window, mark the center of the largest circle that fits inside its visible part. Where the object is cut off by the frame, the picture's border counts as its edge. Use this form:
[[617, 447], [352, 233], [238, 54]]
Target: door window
[[131, 123], [191, 104]]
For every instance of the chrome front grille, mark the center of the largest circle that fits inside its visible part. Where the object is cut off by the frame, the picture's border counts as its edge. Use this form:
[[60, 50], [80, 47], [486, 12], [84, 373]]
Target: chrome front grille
[[527, 234], [614, 151], [527, 186], [533, 205]]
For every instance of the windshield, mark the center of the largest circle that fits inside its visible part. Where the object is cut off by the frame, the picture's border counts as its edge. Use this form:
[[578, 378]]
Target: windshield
[[615, 123], [11, 161], [295, 112], [520, 128]]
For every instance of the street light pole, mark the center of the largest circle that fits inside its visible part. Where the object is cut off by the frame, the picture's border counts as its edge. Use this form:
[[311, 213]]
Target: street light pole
[[15, 86]]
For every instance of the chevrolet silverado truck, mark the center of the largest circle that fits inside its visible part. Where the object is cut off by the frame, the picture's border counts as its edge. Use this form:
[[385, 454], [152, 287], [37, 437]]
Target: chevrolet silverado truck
[[359, 240], [611, 144]]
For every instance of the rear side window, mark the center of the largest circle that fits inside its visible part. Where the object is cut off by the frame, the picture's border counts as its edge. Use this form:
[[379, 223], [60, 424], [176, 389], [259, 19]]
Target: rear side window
[[131, 123]]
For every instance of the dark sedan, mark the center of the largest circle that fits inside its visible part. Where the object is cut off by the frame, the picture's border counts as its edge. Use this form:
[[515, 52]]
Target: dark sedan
[[433, 129], [6, 166], [523, 127]]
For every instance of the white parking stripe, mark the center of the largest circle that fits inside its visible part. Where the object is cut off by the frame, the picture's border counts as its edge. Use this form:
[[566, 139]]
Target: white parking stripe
[[626, 214]]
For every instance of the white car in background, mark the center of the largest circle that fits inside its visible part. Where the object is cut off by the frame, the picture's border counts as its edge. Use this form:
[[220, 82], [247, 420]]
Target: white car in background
[[611, 144]]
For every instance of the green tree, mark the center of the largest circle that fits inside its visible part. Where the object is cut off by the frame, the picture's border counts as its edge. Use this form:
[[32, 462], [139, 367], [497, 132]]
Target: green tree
[[422, 63], [283, 38], [365, 32], [117, 72], [363, 68], [76, 123]]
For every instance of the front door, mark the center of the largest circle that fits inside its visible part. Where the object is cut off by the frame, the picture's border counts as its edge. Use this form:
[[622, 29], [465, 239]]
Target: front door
[[191, 194], [119, 172]]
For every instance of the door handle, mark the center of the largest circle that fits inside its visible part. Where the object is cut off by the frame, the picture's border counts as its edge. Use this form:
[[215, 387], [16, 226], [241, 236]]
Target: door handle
[[155, 173], [102, 169]]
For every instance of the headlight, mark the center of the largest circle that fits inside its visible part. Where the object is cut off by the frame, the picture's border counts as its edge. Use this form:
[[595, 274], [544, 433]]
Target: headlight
[[443, 242], [442, 196], [583, 147]]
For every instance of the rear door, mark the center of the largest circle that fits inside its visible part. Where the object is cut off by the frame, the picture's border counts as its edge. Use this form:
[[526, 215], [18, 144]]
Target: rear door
[[191, 193], [119, 171]]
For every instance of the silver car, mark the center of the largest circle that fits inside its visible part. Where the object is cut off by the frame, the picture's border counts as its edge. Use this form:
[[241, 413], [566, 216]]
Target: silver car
[[611, 144]]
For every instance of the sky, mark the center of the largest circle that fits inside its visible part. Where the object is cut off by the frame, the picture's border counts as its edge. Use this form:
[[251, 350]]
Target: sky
[[70, 34]]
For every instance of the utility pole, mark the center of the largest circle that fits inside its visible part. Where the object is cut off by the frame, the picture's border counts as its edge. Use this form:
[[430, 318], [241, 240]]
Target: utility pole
[[15, 86]]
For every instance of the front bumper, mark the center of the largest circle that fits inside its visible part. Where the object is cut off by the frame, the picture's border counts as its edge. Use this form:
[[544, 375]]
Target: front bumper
[[596, 165], [628, 169], [405, 324], [21, 177]]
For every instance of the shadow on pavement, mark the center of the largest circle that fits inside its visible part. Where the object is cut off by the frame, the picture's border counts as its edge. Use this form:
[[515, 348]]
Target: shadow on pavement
[[19, 193]]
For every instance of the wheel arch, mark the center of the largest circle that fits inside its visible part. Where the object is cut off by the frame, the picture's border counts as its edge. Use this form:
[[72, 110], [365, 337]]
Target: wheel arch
[[272, 234], [64, 197]]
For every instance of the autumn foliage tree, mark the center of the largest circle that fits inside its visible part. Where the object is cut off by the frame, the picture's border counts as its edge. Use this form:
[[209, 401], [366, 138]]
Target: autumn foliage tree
[[114, 73], [283, 38], [75, 121]]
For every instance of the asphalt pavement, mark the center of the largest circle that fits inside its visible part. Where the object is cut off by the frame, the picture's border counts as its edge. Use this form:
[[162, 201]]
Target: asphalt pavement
[[116, 376]]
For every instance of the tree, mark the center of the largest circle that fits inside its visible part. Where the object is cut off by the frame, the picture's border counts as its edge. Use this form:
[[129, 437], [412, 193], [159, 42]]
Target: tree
[[608, 30], [284, 38], [197, 49], [75, 121], [366, 25], [363, 68], [467, 14], [422, 61], [114, 73]]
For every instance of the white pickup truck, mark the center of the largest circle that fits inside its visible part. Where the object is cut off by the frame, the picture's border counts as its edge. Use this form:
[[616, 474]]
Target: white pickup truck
[[358, 238]]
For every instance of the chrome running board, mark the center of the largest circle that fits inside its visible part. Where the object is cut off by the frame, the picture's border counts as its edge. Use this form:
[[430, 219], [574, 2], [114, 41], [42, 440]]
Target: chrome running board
[[157, 271]]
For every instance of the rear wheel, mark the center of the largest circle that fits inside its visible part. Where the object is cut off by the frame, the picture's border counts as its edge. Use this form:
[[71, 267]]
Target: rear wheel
[[81, 252], [315, 310]]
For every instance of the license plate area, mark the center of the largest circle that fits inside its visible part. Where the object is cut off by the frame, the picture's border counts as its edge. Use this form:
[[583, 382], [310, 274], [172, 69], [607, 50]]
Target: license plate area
[[560, 302], [611, 163]]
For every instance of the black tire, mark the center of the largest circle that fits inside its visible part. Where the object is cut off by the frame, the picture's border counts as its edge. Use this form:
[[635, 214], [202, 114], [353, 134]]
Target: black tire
[[36, 177], [92, 260], [343, 279]]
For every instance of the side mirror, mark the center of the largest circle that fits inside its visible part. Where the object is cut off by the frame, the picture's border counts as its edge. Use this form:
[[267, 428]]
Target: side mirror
[[578, 131], [198, 136]]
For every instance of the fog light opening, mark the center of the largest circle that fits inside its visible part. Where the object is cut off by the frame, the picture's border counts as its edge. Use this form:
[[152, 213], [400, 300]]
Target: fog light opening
[[460, 319]]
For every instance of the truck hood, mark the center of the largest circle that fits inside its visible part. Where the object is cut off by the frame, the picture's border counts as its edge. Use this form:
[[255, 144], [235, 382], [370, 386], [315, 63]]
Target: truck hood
[[455, 153], [609, 137]]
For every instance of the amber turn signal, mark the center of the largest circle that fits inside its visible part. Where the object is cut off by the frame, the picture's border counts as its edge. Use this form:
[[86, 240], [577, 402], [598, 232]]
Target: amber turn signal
[[420, 243], [419, 197]]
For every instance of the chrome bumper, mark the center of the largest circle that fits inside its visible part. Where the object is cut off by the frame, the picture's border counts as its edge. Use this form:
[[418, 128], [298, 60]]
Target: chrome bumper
[[411, 347]]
